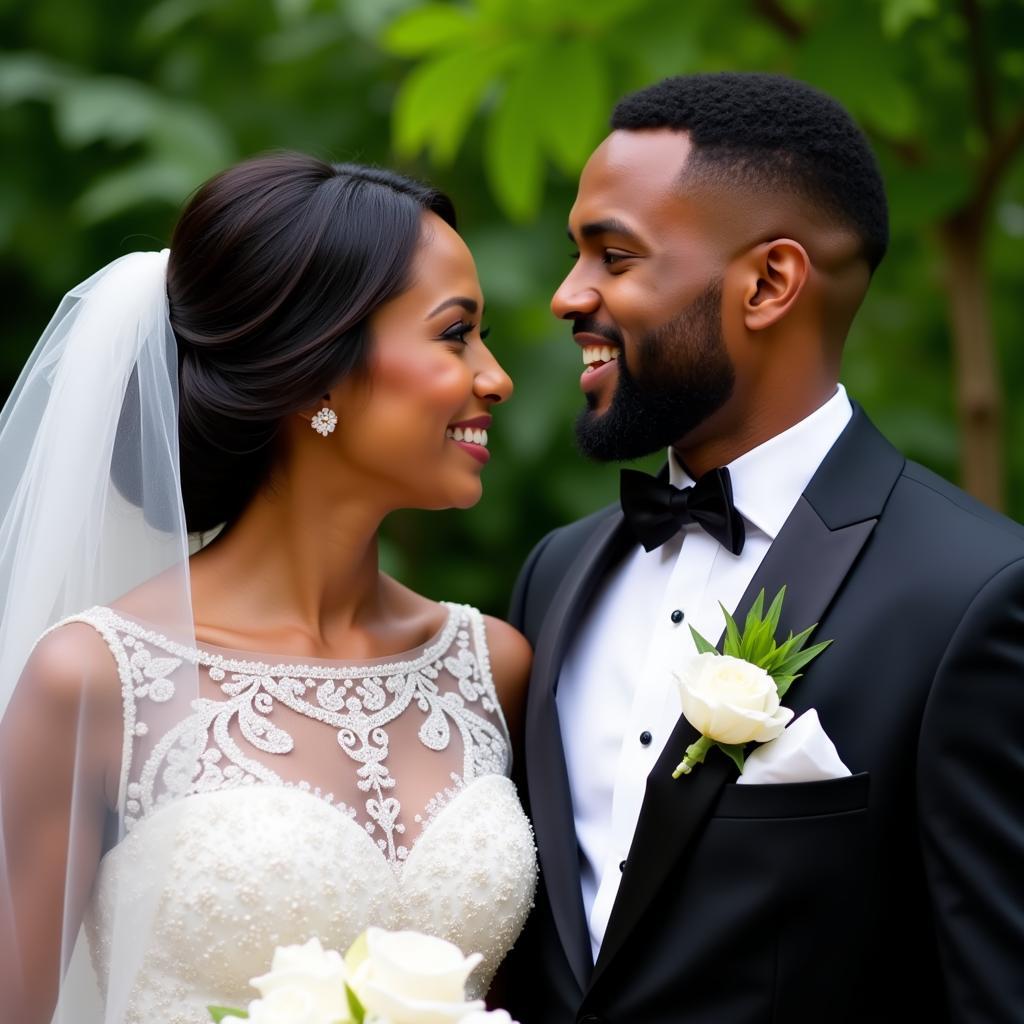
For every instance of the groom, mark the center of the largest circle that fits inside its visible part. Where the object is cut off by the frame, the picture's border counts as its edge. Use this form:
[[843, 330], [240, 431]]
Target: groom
[[727, 229]]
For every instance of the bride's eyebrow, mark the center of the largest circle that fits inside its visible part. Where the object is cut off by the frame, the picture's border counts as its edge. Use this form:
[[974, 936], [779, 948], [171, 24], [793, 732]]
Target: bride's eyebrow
[[469, 305]]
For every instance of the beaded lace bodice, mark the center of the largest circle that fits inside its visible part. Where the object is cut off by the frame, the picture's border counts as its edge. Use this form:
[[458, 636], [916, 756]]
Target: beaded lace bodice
[[283, 801]]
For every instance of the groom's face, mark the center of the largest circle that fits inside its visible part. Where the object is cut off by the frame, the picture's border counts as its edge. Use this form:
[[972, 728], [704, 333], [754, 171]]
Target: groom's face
[[645, 300]]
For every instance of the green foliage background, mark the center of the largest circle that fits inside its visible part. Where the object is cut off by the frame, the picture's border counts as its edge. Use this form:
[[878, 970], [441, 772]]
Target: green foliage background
[[111, 113]]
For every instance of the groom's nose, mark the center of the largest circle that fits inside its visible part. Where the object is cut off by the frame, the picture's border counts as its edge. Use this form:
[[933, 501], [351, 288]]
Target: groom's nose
[[574, 298]]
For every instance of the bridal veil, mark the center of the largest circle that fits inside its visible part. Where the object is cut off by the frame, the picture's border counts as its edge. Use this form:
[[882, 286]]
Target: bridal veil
[[90, 511]]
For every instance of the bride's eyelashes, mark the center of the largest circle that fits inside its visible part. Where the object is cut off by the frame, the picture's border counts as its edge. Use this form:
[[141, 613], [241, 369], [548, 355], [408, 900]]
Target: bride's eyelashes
[[459, 331]]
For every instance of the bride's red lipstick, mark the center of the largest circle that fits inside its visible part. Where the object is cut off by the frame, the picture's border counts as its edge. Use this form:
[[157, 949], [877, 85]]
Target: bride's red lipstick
[[478, 451]]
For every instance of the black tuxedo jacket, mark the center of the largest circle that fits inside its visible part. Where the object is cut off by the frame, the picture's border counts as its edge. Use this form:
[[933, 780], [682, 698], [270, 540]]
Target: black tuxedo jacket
[[894, 895]]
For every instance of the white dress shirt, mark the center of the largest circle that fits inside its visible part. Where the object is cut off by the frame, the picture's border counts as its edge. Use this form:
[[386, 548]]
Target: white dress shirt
[[617, 700]]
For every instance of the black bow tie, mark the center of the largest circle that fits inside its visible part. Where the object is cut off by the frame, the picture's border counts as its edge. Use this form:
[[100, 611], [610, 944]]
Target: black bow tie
[[655, 510]]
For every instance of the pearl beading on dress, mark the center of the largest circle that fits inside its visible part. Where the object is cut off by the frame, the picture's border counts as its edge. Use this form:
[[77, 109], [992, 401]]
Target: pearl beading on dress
[[242, 860]]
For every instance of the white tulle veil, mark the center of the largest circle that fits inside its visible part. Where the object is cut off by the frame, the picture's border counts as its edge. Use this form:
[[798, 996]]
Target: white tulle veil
[[90, 511]]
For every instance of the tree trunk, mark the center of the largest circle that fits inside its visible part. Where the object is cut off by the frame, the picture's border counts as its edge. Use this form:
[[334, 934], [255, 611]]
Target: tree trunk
[[979, 395]]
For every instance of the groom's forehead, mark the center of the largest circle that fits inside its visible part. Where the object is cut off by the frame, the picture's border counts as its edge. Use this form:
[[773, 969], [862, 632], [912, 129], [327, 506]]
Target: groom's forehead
[[635, 177]]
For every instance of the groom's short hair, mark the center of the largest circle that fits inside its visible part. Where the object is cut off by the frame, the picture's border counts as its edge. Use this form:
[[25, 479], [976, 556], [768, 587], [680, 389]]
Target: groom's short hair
[[770, 133]]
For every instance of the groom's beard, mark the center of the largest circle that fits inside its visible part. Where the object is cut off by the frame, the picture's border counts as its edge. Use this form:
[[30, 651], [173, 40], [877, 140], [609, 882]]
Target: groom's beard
[[683, 375]]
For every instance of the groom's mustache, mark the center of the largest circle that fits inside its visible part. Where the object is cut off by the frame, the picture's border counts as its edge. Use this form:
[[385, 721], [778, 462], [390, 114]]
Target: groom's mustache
[[588, 325]]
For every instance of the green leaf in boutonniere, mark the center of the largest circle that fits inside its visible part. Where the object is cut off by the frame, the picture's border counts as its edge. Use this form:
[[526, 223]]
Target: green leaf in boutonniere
[[733, 698]]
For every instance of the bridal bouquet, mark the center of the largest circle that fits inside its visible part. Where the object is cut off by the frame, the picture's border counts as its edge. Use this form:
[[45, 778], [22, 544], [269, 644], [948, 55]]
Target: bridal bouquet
[[384, 978]]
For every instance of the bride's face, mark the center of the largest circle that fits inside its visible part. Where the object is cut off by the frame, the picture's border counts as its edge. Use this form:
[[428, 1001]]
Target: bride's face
[[413, 424]]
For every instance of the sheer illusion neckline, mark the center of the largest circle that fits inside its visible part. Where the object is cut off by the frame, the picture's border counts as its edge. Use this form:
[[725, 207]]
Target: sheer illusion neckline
[[232, 659]]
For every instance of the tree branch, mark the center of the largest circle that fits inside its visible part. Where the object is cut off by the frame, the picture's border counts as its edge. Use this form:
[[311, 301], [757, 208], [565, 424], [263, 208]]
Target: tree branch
[[773, 12], [981, 68], [971, 216], [996, 163]]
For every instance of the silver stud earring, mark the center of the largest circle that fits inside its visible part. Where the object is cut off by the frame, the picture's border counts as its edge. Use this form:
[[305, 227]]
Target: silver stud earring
[[324, 421]]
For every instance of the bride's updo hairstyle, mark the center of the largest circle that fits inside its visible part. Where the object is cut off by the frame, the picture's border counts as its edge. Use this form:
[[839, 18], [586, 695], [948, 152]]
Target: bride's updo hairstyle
[[275, 266]]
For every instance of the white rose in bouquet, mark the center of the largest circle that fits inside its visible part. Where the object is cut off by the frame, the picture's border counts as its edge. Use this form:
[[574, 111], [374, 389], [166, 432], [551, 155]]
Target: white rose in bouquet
[[305, 985], [414, 979], [730, 700], [284, 1006]]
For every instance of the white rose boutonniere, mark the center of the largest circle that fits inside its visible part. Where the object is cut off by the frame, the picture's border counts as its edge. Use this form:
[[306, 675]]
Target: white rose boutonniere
[[734, 698]]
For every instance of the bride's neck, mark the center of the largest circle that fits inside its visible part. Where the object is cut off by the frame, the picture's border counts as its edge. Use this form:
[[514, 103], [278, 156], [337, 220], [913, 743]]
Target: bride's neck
[[295, 562]]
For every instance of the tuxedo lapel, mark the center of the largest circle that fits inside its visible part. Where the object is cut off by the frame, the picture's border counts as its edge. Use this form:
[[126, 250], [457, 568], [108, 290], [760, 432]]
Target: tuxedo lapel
[[547, 777], [811, 556]]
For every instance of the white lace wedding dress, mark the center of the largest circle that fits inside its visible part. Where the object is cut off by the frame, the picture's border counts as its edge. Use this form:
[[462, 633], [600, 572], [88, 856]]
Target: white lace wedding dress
[[328, 797]]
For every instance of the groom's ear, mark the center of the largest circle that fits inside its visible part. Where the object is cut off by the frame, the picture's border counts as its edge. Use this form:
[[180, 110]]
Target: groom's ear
[[776, 273]]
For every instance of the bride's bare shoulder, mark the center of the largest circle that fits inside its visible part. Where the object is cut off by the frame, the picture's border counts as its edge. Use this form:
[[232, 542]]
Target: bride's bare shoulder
[[73, 661], [511, 659]]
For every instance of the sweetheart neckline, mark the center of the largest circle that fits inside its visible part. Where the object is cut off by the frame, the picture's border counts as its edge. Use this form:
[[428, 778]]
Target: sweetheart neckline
[[396, 868]]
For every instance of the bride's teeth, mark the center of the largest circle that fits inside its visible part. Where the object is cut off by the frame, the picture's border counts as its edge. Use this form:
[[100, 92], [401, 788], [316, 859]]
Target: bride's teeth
[[484, 438], [449, 433], [458, 434]]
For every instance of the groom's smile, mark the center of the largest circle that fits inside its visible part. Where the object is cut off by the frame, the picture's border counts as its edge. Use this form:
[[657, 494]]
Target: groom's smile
[[645, 297], [601, 350]]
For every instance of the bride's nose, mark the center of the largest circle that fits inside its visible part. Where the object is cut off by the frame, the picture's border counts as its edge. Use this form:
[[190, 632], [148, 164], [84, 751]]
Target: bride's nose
[[491, 382]]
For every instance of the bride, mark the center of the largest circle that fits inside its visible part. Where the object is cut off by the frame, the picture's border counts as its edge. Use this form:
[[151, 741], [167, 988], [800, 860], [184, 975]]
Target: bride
[[207, 756]]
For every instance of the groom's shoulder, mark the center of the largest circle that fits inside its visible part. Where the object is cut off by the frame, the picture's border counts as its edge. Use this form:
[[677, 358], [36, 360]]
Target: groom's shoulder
[[556, 551], [951, 513]]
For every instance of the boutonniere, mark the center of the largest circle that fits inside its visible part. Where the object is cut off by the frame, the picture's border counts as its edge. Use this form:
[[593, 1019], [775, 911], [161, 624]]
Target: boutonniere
[[734, 697]]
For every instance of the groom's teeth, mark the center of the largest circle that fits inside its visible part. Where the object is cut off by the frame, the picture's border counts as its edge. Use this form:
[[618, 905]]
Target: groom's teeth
[[599, 354]]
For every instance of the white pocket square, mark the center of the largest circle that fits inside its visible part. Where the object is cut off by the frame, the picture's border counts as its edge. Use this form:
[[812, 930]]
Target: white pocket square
[[801, 753]]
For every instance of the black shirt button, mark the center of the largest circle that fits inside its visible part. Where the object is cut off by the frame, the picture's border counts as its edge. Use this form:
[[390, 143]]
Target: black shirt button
[[622, 865], [645, 738], [677, 616]]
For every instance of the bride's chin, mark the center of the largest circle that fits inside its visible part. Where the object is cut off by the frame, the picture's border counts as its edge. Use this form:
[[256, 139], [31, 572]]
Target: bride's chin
[[466, 496]]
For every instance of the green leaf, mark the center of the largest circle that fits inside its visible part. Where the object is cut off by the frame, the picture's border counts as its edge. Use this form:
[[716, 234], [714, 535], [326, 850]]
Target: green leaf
[[356, 953], [355, 1007], [898, 15], [759, 643], [219, 1013], [775, 610], [703, 646], [29, 76], [798, 660], [734, 751], [732, 634], [433, 26], [573, 77], [783, 683], [756, 613], [514, 162], [438, 99], [117, 110], [139, 183]]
